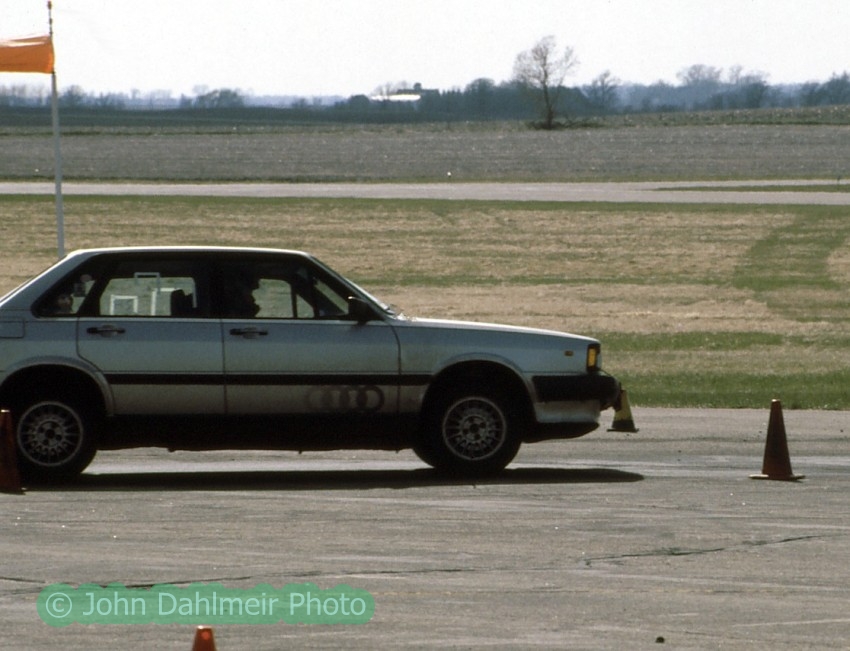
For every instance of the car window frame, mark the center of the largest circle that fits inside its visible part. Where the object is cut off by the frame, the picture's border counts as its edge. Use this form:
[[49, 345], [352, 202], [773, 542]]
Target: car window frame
[[261, 259], [90, 307]]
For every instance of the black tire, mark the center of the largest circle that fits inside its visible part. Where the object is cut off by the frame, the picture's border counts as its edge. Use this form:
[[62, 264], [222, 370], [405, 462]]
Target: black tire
[[423, 450], [55, 439], [470, 431]]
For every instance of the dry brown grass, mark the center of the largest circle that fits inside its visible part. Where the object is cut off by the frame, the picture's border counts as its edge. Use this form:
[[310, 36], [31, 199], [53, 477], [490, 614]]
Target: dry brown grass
[[686, 279], [637, 269]]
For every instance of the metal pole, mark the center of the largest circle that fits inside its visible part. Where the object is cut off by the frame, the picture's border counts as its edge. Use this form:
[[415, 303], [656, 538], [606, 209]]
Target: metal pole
[[57, 152]]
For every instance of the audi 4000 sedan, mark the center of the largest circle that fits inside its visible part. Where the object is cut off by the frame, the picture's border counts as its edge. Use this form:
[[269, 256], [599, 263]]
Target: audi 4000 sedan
[[204, 348]]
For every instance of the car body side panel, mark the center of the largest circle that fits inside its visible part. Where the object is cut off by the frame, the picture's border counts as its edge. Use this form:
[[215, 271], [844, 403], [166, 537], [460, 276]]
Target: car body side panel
[[46, 344], [28, 339], [277, 366], [427, 344], [546, 359], [157, 366]]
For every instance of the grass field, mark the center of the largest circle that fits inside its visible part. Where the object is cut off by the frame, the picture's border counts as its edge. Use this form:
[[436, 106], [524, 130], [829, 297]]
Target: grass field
[[723, 306]]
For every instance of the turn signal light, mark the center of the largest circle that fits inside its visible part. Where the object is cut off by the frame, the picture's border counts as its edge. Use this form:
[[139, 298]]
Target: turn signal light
[[593, 351]]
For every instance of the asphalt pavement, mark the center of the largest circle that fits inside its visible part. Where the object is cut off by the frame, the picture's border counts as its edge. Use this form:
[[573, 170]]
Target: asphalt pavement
[[617, 192], [646, 540]]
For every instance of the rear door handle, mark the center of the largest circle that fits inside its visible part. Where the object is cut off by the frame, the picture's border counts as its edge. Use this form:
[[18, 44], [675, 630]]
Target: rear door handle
[[106, 330]]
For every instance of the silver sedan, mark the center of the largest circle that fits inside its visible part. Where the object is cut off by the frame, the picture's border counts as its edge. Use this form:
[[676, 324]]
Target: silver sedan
[[206, 348]]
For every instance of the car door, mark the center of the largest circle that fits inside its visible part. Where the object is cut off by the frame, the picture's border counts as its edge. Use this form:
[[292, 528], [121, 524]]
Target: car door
[[147, 325], [290, 348]]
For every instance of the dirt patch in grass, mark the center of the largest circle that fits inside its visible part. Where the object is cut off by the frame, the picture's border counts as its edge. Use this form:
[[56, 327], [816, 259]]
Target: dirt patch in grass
[[839, 264], [634, 309]]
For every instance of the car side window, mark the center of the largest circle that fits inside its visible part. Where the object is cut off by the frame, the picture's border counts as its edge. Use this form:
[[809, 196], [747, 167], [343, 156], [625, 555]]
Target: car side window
[[67, 298], [152, 288], [286, 290]]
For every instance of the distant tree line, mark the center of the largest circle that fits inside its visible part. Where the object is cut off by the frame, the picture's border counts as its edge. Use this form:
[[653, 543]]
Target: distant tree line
[[699, 88]]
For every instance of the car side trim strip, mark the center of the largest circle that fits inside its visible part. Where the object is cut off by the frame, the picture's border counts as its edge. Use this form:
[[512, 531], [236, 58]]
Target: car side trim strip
[[260, 379]]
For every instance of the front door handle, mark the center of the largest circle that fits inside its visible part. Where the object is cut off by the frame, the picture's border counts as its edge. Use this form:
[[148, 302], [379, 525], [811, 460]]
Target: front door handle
[[106, 330]]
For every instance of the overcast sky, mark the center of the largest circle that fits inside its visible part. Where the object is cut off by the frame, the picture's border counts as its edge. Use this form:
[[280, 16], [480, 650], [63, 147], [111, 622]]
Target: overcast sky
[[349, 47]]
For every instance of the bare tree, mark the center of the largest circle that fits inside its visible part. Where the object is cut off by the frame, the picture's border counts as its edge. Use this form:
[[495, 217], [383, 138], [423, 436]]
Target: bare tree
[[747, 89], [602, 92], [220, 99], [699, 84], [700, 75], [542, 70]]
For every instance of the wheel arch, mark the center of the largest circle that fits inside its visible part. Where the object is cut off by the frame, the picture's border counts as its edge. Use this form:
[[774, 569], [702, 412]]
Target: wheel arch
[[494, 374], [53, 378]]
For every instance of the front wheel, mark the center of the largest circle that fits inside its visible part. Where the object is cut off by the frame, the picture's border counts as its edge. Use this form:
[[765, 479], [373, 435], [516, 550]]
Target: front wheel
[[55, 439], [471, 431]]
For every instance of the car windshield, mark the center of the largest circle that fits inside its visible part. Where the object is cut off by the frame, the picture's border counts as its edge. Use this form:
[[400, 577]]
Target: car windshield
[[390, 310]]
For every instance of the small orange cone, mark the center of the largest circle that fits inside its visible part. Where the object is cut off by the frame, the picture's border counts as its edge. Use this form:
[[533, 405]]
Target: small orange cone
[[777, 461], [623, 421], [204, 639], [10, 476]]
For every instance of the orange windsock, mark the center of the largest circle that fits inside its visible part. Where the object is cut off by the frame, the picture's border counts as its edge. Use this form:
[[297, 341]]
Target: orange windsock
[[28, 54]]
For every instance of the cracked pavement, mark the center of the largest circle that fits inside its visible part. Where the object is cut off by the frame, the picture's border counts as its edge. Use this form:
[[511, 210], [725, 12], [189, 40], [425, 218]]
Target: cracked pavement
[[615, 540]]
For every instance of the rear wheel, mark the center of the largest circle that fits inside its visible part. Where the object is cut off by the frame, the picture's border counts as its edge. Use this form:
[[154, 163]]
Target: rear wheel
[[473, 430], [55, 438]]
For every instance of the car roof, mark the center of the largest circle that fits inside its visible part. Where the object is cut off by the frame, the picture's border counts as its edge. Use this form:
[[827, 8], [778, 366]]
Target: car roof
[[38, 283], [182, 249]]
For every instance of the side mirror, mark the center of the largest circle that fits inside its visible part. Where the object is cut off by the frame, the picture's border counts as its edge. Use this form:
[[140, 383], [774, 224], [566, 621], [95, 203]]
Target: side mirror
[[360, 311]]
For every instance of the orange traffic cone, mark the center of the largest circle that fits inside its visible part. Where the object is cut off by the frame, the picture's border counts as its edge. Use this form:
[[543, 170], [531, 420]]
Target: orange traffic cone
[[623, 421], [204, 639], [10, 476], [777, 461]]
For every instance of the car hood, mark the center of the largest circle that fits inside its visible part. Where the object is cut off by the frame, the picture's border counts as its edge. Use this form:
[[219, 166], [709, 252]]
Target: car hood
[[475, 326]]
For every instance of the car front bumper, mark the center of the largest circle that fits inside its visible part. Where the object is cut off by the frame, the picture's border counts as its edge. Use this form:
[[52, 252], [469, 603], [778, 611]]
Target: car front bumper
[[578, 388]]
